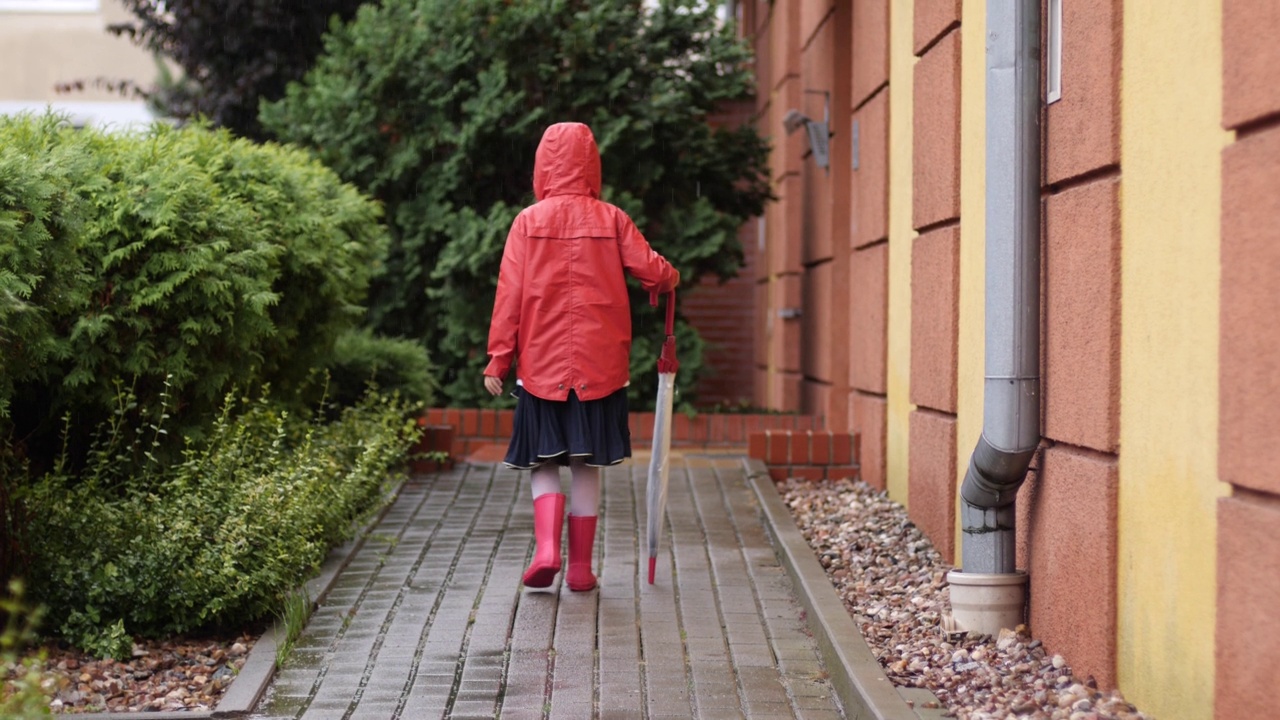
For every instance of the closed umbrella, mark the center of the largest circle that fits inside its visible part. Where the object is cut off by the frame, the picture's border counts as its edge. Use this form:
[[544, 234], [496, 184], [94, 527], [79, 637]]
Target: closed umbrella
[[659, 462]]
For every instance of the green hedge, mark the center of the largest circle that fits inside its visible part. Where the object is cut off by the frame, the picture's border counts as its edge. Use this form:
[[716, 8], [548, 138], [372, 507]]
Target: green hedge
[[184, 260], [216, 540], [436, 107], [361, 358]]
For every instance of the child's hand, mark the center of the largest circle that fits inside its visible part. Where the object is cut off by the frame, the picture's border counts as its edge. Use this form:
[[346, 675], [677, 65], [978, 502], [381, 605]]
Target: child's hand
[[492, 384]]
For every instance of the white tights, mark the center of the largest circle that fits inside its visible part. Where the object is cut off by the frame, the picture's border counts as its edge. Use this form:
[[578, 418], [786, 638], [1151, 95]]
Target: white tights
[[584, 500]]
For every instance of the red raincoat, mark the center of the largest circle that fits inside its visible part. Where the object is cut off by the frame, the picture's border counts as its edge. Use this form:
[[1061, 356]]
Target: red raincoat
[[562, 305]]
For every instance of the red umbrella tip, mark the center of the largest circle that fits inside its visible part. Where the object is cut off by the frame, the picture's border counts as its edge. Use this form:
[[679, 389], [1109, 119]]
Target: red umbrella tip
[[653, 565]]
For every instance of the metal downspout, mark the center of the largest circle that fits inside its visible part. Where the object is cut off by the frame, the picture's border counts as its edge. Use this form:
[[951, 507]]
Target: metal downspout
[[1011, 393]]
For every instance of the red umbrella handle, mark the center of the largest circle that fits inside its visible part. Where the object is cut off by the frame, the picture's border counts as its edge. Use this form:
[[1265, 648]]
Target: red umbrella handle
[[671, 313], [671, 309], [667, 362]]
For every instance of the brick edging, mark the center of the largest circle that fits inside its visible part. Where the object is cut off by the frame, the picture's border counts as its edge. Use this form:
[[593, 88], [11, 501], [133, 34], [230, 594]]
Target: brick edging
[[473, 428], [807, 454]]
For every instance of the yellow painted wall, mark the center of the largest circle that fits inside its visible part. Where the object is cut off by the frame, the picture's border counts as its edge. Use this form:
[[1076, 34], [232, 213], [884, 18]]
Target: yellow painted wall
[[1171, 140], [901, 233], [970, 354]]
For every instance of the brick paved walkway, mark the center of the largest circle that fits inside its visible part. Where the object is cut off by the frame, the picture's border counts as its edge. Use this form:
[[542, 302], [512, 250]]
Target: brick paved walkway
[[430, 620]]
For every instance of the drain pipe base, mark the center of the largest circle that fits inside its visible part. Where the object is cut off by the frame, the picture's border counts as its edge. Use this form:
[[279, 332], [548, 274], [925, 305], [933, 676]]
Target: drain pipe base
[[986, 603]]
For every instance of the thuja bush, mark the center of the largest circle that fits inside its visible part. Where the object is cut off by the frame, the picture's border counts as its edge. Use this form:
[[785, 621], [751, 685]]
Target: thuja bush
[[435, 107], [361, 359], [185, 260], [217, 539]]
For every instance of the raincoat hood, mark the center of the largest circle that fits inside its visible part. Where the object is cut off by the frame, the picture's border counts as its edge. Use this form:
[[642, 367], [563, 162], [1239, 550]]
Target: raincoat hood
[[567, 163]]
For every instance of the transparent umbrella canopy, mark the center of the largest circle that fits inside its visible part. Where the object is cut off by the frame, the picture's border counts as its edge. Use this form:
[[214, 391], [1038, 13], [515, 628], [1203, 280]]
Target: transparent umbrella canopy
[[659, 462]]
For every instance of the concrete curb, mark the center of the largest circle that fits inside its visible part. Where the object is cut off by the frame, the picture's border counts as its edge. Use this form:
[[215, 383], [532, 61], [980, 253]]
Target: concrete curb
[[260, 666], [856, 675]]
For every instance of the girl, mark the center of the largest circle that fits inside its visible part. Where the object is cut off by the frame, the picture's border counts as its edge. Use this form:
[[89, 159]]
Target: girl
[[562, 310]]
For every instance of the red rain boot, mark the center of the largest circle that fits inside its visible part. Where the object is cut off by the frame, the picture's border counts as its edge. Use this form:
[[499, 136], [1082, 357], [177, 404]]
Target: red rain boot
[[582, 536], [548, 519]]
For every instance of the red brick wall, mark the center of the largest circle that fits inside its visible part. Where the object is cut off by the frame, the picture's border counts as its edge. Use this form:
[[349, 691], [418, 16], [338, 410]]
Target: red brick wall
[[1081, 343], [931, 476], [1072, 499], [779, 377], [826, 31], [804, 62], [936, 133], [479, 429], [935, 254], [725, 315], [1067, 516], [809, 454], [868, 245], [1248, 627], [935, 301], [725, 312]]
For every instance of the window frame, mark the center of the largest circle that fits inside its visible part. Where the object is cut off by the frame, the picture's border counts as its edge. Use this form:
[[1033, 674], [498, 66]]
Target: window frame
[[1053, 54]]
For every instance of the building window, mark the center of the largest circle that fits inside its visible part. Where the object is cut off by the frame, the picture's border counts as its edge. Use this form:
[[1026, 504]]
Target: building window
[[49, 6]]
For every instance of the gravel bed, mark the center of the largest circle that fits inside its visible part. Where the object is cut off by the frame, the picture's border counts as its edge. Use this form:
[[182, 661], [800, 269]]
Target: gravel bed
[[164, 675], [893, 582]]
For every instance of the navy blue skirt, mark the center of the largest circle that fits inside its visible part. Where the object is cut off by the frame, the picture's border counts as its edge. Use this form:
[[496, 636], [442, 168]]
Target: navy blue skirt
[[554, 431]]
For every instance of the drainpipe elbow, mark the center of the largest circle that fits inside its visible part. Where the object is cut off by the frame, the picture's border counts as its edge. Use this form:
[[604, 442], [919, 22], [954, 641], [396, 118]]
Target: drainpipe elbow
[[994, 475]]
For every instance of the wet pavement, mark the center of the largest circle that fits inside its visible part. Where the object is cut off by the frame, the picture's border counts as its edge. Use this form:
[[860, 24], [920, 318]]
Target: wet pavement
[[430, 619]]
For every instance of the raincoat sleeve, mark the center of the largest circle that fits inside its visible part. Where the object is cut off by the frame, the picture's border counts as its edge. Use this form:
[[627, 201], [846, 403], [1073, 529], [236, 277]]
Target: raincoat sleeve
[[651, 269], [504, 327]]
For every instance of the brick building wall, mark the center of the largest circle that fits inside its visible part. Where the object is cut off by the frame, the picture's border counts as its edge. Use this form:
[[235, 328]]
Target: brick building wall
[[724, 310], [1071, 502], [1249, 520], [868, 245], [779, 273], [724, 313], [882, 255], [935, 269]]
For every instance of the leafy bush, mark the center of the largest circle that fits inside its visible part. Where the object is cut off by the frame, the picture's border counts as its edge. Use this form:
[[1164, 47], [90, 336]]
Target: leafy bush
[[362, 359], [217, 539], [22, 693], [436, 107], [185, 259]]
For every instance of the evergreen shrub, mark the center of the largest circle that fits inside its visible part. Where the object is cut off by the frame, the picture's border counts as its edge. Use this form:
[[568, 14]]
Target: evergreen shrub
[[362, 359], [183, 260], [436, 107]]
